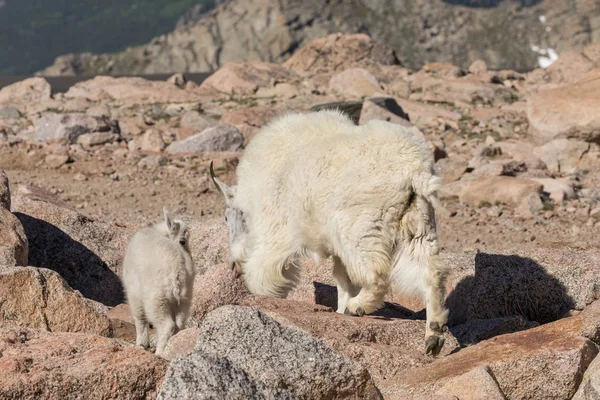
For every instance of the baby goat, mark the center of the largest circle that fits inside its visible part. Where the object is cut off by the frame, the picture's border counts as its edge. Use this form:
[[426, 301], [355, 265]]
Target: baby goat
[[158, 276]]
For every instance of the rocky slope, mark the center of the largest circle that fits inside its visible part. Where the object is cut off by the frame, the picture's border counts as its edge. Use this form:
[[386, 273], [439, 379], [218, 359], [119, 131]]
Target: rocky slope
[[505, 35], [519, 156]]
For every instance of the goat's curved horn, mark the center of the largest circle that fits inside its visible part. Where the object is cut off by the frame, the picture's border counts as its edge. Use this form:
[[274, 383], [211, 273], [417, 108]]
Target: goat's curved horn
[[218, 184], [212, 172]]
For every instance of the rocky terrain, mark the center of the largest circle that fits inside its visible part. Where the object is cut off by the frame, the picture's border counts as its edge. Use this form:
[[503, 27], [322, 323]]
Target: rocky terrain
[[514, 34], [519, 155]]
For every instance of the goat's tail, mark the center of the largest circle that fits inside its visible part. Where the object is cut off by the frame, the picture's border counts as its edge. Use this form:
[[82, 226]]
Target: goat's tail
[[417, 256]]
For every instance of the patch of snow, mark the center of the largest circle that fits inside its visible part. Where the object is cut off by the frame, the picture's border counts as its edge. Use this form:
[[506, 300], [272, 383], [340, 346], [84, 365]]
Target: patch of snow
[[547, 56], [548, 29], [542, 19]]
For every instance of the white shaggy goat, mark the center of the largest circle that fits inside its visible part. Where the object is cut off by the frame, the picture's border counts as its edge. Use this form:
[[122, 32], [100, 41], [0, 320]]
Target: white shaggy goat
[[316, 184], [158, 276]]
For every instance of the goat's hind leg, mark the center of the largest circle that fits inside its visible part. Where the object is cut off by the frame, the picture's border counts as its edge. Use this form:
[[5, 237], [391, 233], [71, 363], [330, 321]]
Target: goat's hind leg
[[345, 288], [437, 314], [142, 338], [165, 328]]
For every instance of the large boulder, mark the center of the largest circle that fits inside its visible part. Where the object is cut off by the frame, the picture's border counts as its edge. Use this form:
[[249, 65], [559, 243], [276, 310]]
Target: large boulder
[[85, 252], [129, 91], [460, 92], [206, 375], [498, 189], [26, 93], [427, 115], [14, 246], [546, 362], [37, 364], [541, 284], [214, 139], [245, 78], [571, 111], [39, 298], [338, 52], [561, 155], [354, 83], [277, 357]]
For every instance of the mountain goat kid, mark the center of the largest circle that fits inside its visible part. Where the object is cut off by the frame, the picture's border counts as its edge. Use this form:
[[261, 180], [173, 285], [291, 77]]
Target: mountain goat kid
[[316, 184], [158, 276]]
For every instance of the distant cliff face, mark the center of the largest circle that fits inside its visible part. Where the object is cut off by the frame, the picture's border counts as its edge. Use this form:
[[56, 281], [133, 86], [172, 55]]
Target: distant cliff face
[[506, 34]]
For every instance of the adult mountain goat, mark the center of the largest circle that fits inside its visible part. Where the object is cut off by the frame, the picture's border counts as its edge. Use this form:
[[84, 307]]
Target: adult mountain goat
[[316, 184]]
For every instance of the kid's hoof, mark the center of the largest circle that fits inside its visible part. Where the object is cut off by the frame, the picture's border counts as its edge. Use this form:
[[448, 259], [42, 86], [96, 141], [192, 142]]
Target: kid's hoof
[[433, 345]]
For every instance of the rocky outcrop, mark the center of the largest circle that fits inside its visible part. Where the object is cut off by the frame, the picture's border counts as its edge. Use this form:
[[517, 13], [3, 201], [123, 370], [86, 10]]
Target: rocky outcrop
[[544, 362], [214, 139], [44, 301], [271, 31], [570, 111], [262, 355], [86, 253], [37, 364]]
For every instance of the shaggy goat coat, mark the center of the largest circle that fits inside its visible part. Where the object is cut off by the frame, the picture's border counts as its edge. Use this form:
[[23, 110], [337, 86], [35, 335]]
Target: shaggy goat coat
[[158, 277], [316, 184]]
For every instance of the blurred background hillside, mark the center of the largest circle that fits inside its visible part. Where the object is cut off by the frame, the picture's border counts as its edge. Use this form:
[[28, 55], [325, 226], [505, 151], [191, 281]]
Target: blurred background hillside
[[167, 36]]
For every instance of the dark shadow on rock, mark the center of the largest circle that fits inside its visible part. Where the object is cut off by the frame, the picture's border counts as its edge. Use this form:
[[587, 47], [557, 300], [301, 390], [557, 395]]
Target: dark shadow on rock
[[50, 247], [505, 286], [326, 295]]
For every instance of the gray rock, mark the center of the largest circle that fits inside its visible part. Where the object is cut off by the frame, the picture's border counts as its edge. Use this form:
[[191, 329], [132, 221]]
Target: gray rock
[[205, 375], [195, 120], [68, 127], [282, 357], [561, 155], [218, 138], [9, 112], [540, 284]]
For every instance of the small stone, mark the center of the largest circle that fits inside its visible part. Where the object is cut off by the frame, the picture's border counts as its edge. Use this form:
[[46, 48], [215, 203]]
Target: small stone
[[178, 80], [152, 141], [478, 67], [56, 161], [96, 138], [79, 177]]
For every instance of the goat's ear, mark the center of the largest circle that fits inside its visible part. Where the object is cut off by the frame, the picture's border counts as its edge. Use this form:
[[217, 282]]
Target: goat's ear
[[168, 218], [225, 190], [175, 226]]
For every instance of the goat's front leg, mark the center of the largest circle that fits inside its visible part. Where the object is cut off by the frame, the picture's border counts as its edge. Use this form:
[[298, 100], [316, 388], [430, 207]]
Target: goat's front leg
[[345, 288]]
